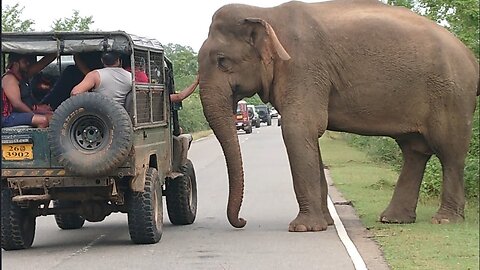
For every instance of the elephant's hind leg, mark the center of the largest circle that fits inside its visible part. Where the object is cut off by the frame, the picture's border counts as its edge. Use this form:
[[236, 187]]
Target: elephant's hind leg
[[452, 157], [403, 205]]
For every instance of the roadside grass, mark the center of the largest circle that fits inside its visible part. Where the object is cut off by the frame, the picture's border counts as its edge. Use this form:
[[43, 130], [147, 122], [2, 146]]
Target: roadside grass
[[201, 134], [422, 245]]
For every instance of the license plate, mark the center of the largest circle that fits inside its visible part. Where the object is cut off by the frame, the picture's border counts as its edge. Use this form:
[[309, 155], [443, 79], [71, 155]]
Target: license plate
[[17, 151]]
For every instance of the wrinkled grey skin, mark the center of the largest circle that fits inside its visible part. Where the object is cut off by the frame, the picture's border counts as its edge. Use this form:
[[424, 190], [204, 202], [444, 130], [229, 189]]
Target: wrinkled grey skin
[[352, 66]]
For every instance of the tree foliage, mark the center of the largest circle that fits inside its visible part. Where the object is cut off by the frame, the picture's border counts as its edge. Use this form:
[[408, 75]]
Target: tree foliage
[[12, 20], [185, 68], [74, 23], [184, 60]]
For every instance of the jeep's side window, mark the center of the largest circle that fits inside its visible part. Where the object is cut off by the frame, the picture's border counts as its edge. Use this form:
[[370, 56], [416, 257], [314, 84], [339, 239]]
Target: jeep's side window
[[141, 69], [156, 68], [150, 96]]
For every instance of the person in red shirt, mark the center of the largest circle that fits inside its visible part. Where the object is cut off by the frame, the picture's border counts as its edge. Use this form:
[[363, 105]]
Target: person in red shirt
[[15, 110]]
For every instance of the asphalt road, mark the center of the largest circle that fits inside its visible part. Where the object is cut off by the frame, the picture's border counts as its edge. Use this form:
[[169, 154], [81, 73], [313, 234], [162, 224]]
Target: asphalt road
[[209, 243]]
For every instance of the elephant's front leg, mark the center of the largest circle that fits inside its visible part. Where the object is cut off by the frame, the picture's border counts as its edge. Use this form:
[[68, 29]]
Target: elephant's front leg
[[301, 141]]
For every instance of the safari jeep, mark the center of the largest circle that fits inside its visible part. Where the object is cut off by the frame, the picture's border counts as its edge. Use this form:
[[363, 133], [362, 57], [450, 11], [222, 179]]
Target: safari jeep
[[98, 157]]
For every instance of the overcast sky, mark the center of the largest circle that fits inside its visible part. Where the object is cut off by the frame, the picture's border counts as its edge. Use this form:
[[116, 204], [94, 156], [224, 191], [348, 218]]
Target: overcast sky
[[184, 22]]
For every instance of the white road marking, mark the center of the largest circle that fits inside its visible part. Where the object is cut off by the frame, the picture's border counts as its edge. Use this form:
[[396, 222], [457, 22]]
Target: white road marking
[[79, 251], [89, 245], [352, 251]]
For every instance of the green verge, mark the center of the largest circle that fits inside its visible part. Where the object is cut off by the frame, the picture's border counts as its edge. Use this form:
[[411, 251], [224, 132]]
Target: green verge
[[422, 245]]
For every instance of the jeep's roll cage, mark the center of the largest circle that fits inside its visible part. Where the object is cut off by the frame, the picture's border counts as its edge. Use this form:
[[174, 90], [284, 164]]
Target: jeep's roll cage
[[159, 72]]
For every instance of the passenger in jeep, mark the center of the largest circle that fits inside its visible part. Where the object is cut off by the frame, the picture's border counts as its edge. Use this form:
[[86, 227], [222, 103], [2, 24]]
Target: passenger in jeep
[[71, 76], [112, 80], [18, 105], [177, 97]]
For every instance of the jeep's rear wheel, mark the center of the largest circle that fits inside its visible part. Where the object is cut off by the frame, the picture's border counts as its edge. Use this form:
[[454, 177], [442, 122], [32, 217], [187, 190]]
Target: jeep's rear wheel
[[70, 221], [90, 134], [145, 211], [18, 225], [257, 124], [182, 196]]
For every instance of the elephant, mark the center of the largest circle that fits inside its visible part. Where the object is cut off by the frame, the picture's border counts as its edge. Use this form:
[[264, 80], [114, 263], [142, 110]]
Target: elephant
[[360, 67]]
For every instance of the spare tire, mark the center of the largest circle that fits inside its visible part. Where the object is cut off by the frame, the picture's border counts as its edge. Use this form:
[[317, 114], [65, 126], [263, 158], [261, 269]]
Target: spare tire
[[90, 134]]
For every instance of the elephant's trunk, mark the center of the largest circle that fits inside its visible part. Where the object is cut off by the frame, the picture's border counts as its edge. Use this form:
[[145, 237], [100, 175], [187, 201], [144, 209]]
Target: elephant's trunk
[[218, 112]]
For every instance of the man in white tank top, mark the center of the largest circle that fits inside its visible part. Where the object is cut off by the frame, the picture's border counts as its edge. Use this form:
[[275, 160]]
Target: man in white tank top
[[112, 80]]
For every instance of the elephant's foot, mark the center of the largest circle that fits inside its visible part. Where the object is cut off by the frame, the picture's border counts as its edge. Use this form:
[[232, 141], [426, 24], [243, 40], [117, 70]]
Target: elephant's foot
[[445, 217], [308, 223], [396, 216]]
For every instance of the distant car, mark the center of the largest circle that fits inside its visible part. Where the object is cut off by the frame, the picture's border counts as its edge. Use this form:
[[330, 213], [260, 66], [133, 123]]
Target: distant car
[[273, 113], [264, 114], [253, 115], [242, 119]]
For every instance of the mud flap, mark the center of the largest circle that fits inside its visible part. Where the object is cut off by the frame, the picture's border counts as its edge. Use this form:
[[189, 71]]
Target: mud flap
[[181, 145], [137, 184]]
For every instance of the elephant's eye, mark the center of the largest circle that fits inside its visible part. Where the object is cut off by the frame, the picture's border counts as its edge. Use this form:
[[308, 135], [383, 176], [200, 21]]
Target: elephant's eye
[[224, 63]]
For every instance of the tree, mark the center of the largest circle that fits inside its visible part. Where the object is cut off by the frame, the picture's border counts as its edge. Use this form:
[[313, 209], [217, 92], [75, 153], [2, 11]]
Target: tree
[[12, 21], [74, 23], [404, 3], [184, 59]]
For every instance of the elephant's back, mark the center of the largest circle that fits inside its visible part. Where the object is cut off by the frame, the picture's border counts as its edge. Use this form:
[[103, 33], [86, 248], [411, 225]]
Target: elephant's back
[[374, 38]]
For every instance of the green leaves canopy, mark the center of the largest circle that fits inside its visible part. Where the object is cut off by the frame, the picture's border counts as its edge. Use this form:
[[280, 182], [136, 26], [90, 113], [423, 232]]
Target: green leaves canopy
[[12, 21], [74, 23]]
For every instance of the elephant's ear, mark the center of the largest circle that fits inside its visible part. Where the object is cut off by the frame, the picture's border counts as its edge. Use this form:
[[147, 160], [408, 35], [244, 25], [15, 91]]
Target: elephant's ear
[[263, 37]]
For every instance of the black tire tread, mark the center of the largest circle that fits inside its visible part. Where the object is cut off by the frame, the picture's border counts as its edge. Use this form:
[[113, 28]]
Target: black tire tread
[[141, 212], [70, 221], [13, 237]]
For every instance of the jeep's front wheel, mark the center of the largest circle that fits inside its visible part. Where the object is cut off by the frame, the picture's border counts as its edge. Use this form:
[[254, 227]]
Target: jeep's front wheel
[[182, 196], [145, 211], [18, 225], [70, 221]]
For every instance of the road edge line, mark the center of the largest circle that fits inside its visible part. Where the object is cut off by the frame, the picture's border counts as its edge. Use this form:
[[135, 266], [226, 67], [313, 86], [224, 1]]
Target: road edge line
[[352, 250]]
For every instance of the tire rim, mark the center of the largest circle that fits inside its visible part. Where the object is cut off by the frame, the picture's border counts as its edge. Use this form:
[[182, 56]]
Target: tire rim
[[190, 192], [89, 133], [157, 206]]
